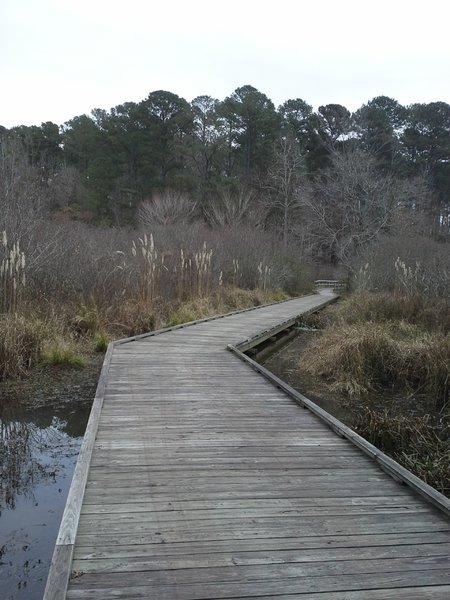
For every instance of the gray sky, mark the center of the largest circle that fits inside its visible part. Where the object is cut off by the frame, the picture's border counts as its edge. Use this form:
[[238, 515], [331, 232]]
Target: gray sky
[[62, 58]]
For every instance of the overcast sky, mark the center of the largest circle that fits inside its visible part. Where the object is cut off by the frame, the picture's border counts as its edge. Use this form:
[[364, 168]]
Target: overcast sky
[[62, 58]]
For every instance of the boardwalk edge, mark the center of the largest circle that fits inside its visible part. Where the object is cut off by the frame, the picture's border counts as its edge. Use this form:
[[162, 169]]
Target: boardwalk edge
[[61, 563]]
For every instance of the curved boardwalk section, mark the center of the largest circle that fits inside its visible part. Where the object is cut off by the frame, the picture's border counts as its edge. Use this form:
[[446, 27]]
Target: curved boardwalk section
[[208, 482]]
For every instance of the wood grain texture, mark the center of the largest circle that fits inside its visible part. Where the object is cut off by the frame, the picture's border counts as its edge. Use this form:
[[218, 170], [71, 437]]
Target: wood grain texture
[[207, 481]]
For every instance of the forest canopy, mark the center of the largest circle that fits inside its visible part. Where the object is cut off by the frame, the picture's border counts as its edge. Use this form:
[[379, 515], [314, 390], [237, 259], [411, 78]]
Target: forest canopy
[[328, 179]]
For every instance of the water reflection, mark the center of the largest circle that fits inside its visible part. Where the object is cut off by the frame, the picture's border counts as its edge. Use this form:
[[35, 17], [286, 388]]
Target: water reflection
[[38, 452]]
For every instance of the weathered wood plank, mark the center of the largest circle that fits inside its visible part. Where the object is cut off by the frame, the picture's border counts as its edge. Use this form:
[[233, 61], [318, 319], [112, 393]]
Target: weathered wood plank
[[441, 592], [269, 544], [267, 571], [224, 493], [228, 531], [59, 574], [258, 557], [304, 585], [176, 516]]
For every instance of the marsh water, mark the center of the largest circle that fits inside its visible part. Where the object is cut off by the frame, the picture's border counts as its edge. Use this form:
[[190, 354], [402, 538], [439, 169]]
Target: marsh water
[[42, 423]]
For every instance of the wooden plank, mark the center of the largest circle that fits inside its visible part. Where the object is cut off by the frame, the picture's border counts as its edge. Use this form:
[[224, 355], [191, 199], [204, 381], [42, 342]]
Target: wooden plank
[[224, 493], [128, 536], [258, 557], [302, 504], [244, 573], [130, 463], [441, 592], [270, 544], [174, 516], [230, 475], [289, 585], [204, 479]]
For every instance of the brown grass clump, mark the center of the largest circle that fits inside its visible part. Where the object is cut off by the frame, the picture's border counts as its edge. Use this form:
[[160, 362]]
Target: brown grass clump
[[132, 317], [425, 366], [88, 318], [387, 306], [354, 359], [365, 357], [418, 443], [231, 298], [21, 342], [225, 299]]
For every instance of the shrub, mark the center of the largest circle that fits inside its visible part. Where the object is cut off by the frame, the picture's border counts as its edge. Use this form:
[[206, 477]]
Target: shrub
[[353, 358], [232, 298]]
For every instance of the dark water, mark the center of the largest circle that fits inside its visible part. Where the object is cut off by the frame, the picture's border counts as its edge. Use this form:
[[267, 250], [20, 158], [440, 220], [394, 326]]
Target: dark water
[[38, 452]]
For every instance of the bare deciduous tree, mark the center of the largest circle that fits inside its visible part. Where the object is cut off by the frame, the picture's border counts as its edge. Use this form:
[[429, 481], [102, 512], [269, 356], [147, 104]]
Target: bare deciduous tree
[[286, 183], [352, 204], [21, 194]]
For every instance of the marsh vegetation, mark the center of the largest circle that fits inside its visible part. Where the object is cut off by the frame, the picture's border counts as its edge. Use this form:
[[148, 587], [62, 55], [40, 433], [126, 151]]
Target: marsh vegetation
[[386, 357]]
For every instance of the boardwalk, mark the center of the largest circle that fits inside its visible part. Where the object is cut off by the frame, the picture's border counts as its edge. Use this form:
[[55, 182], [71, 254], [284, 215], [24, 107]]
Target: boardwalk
[[208, 482]]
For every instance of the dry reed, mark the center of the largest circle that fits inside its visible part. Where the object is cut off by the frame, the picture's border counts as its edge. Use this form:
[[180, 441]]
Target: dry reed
[[365, 357], [12, 275], [420, 444]]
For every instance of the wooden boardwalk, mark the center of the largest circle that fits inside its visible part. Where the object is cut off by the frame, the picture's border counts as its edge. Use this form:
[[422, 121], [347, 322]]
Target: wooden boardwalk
[[206, 482]]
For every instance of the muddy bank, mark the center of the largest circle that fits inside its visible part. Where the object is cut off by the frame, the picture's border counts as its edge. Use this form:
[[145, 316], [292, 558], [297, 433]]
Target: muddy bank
[[42, 423]]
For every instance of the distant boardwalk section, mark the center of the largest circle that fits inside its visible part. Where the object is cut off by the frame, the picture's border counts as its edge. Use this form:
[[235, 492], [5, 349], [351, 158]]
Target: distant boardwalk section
[[332, 284], [199, 480]]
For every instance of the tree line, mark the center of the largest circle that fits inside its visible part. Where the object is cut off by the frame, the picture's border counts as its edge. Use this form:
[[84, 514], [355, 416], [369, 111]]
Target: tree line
[[329, 179]]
